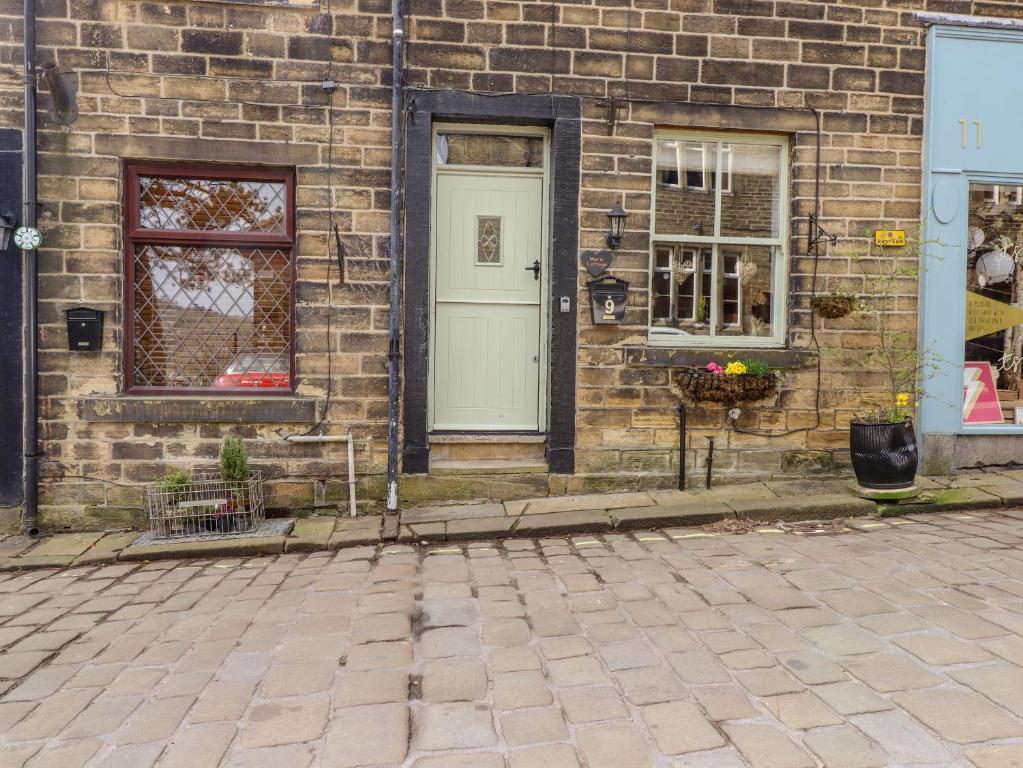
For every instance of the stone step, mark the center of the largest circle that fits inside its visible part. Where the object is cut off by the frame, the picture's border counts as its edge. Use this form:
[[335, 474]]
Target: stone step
[[486, 448], [476, 467], [433, 488]]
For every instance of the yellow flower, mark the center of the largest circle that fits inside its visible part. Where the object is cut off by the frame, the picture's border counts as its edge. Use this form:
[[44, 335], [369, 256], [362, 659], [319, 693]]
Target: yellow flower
[[735, 367], [902, 400]]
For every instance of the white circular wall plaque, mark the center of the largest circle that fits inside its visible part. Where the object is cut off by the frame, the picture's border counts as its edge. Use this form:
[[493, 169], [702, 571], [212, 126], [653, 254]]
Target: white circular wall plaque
[[27, 238]]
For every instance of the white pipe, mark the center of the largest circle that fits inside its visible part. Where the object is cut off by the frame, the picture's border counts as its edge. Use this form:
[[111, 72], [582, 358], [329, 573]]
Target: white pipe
[[346, 438]]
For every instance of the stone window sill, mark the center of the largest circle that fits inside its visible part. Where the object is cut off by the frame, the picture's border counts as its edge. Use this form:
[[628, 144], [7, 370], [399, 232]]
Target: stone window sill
[[198, 410], [676, 357], [299, 4]]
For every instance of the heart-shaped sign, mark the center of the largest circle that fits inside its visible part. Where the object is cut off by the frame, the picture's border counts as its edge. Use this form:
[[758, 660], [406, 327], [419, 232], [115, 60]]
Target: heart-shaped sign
[[597, 262]]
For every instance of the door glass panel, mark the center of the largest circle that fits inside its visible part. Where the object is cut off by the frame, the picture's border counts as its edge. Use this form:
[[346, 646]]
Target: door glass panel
[[685, 187], [487, 149], [992, 380], [751, 175]]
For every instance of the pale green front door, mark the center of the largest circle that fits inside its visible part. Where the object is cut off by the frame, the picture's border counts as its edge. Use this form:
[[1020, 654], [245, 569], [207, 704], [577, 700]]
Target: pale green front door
[[486, 351]]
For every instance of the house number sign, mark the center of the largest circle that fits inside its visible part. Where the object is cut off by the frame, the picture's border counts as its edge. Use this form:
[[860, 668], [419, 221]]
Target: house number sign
[[965, 124]]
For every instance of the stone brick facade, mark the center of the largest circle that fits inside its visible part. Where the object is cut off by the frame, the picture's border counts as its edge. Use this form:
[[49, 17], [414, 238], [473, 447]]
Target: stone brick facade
[[240, 83]]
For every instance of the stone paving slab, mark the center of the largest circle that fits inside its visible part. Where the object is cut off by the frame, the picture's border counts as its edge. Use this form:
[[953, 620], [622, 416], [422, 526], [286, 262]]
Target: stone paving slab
[[310, 534], [65, 545], [822, 507], [691, 514], [106, 549], [240, 547]]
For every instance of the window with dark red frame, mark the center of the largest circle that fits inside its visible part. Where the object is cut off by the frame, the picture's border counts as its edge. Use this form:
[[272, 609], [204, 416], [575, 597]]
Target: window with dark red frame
[[209, 255]]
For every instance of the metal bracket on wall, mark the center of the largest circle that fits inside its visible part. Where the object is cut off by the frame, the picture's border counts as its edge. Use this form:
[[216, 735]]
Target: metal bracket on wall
[[613, 105], [816, 234]]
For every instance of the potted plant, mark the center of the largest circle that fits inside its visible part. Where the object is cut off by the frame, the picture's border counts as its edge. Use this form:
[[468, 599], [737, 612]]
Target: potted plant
[[234, 471], [882, 445], [882, 441], [835, 304], [740, 381], [172, 489]]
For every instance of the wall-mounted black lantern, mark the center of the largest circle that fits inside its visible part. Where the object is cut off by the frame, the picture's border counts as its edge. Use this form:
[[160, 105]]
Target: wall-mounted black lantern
[[608, 297], [84, 329], [616, 226], [7, 225]]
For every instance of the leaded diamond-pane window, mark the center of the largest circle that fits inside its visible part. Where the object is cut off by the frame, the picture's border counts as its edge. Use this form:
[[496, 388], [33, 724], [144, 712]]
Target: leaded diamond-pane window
[[211, 279], [220, 205]]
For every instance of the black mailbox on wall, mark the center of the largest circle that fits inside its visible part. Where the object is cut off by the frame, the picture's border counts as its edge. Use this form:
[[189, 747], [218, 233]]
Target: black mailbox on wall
[[84, 329], [608, 297]]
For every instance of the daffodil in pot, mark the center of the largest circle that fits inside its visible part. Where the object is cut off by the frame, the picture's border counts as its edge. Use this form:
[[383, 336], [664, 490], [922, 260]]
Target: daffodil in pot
[[883, 448]]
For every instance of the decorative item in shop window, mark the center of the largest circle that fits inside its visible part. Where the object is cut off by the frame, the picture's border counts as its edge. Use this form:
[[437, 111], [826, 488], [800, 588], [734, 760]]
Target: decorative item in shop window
[[994, 267], [738, 381], [980, 395], [616, 226]]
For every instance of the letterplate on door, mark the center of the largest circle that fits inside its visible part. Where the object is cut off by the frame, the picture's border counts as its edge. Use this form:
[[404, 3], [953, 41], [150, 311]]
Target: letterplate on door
[[608, 297]]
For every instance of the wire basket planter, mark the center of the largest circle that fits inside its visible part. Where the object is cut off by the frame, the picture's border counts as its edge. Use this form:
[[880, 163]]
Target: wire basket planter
[[705, 387], [834, 305], [206, 504]]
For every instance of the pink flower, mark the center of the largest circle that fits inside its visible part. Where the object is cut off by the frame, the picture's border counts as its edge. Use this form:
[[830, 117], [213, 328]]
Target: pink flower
[[716, 369]]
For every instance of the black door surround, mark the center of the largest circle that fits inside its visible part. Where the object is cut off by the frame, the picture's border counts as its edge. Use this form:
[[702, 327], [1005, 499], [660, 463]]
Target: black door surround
[[562, 115]]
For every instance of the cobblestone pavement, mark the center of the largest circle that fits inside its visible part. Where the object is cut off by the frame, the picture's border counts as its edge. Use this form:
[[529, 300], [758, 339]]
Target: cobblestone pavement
[[884, 645]]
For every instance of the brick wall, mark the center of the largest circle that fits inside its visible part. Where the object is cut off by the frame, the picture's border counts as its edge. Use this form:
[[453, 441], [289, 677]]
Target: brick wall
[[222, 82]]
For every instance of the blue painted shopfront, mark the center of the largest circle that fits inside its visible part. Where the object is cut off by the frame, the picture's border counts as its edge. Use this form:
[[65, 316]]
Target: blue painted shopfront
[[973, 189]]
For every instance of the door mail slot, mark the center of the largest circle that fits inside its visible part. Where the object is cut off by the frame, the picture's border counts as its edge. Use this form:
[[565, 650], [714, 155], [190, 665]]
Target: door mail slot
[[608, 297], [84, 329]]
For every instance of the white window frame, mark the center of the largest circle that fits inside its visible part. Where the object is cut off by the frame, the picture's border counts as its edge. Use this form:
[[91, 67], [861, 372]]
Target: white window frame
[[677, 337], [682, 150]]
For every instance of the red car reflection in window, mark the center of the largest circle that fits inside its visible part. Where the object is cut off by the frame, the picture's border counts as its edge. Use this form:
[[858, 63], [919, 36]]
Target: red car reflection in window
[[251, 369]]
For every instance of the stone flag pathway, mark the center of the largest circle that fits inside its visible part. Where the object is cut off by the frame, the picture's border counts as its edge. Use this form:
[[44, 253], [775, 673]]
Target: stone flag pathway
[[895, 643]]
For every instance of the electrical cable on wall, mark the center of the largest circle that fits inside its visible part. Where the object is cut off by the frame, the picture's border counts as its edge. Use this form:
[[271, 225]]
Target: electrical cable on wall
[[814, 237], [330, 87]]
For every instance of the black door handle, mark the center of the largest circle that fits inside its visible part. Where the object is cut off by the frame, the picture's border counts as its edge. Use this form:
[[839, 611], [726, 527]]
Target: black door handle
[[535, 269]]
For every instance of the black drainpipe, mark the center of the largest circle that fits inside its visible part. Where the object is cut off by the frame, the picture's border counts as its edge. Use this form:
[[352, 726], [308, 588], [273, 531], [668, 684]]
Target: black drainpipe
[[394, 292], [29, 336]]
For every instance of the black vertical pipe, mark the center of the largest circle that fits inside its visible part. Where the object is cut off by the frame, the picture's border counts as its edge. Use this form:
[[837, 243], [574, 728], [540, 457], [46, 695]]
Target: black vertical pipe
[[30, 272], [394, 292], [682, 447], [710, 459]]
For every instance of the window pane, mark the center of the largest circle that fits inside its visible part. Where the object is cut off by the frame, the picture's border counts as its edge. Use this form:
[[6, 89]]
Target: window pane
[[993, 281], [663, 257], [485, 149], [212, 317], [686, 298], [746, 287], [212, 205], [750, 200], [684, 197]]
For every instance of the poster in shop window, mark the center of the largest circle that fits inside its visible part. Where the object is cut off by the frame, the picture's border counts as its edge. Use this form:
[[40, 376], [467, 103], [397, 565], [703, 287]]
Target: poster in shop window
[[980, 397]]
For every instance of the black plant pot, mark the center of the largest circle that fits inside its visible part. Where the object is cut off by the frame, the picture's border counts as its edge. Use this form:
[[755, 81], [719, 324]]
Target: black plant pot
[[884, 456]]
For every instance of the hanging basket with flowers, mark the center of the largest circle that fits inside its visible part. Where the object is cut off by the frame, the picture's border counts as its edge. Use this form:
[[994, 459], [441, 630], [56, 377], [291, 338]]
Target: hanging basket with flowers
[[741, 381], [834, 305]]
